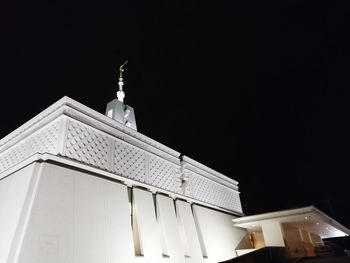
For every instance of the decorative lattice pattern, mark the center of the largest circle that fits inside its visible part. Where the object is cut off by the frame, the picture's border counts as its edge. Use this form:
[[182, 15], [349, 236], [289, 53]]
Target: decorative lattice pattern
[[90, 146], [129, 161], [210, 192], [44, 140], [98, 149], [87, 145], [163, 174], [79, 134]]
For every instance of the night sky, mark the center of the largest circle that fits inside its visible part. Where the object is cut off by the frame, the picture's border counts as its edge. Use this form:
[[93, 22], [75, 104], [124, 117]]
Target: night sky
[[257, 90]]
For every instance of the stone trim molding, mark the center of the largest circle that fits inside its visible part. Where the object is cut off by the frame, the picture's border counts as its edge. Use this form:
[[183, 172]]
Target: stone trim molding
[[203, 183]]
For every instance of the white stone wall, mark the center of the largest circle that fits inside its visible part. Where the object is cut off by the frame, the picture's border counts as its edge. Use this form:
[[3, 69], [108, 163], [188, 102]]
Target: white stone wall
[[189, 232], [273, 234], [78, 217], [149, 233], [218, 237], [15, 193]]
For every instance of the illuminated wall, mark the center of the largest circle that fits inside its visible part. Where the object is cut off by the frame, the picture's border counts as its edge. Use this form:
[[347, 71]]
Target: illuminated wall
[[77, 186], [13, 192], [294, 243], [74, 216], [258, 239], [219, 238]]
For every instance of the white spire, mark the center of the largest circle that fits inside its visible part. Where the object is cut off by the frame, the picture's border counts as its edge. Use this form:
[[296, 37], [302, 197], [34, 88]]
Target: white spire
[[117, 110], [120, 92]]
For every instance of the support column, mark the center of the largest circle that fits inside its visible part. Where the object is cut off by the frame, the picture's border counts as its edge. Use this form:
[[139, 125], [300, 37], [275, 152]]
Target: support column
[[273, 234]]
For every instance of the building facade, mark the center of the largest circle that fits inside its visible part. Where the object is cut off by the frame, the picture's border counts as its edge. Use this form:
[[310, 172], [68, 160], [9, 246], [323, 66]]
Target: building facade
[[77, 186]]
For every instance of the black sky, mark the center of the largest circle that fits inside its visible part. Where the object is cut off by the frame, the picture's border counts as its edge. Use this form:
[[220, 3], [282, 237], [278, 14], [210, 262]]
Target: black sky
[[256, 90]]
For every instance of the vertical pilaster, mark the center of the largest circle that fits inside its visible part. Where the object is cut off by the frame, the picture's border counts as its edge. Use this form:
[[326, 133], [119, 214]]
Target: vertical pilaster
[[273, 234]]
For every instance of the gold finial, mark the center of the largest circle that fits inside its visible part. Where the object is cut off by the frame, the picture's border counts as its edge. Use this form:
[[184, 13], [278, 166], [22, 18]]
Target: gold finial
[[121, 69], [120, 92]]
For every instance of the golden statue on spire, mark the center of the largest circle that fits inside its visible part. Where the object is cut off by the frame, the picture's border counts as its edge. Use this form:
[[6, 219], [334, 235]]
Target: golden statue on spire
[[120, 92], [121, 69]]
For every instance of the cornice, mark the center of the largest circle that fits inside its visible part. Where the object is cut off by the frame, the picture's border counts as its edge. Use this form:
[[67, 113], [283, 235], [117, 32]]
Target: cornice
[[205, 171]]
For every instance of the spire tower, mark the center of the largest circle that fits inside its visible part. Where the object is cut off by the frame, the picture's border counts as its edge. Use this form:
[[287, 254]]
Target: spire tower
[[117, 109], [120, 92]]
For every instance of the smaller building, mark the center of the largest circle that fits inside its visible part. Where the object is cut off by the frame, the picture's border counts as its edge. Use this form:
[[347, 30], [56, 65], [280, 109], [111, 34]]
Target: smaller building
[[301, 231]]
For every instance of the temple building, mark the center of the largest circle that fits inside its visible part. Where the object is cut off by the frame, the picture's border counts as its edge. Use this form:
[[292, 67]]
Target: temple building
[[78, 186]]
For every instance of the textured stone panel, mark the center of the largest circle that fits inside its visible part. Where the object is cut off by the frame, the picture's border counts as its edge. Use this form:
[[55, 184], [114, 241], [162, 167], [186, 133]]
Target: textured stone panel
[[87, 145], [128, 161], [44, 140], [163, 174], [213, 193]]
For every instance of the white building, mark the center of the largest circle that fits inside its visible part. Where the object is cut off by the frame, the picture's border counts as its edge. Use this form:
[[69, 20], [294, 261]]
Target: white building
[[77, 186]]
